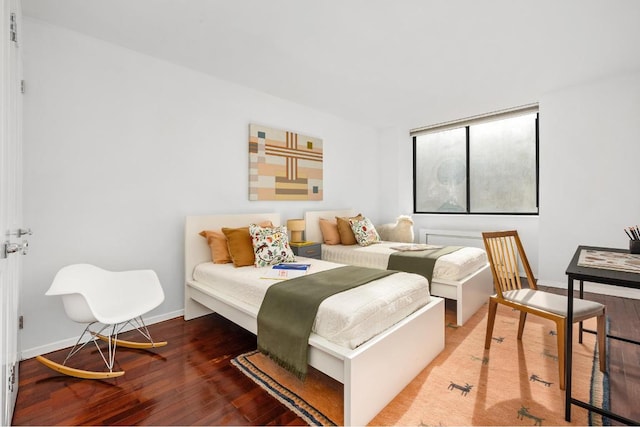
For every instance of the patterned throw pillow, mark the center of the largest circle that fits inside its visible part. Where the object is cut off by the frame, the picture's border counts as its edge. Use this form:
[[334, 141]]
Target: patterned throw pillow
[[364, 231], [270, 245]]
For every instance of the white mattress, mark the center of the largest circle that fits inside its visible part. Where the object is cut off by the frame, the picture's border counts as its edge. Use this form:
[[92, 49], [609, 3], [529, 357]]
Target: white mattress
[[453, 266], [349, 318]]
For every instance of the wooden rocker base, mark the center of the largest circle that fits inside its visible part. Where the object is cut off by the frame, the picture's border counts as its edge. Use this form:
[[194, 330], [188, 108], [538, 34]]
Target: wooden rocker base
[[132, 344], [78, 373]]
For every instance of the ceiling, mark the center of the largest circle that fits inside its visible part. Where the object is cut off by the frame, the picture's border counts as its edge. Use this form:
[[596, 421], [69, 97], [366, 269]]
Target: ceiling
[[376, 62]]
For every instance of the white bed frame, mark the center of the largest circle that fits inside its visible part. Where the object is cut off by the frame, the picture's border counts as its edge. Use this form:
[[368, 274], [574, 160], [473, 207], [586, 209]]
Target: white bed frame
[[372, 374], [470, 293]]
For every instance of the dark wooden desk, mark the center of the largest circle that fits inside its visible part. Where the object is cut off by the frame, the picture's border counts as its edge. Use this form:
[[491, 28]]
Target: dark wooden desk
[[594, 275]]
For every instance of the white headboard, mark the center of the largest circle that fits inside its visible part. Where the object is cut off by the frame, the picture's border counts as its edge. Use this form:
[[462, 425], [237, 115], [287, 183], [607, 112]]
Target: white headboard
[[196, 249], [312, 231]]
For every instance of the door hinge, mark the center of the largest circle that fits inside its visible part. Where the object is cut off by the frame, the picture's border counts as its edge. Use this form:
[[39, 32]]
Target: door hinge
[[21, 322], [22, 86], [13, 28], [12, 378]]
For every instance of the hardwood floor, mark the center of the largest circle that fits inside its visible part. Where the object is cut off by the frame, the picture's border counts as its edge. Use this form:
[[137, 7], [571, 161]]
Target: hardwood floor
[[191, 382], [188, 382]]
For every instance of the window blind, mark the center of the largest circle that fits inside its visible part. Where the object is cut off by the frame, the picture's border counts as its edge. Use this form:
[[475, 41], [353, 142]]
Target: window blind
[[496, 115]]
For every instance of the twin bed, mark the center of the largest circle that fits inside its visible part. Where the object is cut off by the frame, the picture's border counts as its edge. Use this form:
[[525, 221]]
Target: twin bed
[[463, 276], [356, 340]]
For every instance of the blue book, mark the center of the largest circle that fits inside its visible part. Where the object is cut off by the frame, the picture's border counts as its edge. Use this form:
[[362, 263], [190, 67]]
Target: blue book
[[291, 266]]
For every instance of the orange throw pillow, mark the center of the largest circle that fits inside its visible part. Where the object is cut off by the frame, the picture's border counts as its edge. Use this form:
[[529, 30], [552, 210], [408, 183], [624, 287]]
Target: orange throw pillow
[[329, 229], [344, 229], [217, 242], [240, 244]]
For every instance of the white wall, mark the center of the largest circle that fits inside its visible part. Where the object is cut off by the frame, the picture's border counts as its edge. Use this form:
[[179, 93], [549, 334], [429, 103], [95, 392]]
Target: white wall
[[590, 170], [119, 147], [393, 179]]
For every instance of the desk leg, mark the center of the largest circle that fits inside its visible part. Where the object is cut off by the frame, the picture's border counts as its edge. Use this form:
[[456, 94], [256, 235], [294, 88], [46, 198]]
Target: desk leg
[[580, 324], [568, 349]]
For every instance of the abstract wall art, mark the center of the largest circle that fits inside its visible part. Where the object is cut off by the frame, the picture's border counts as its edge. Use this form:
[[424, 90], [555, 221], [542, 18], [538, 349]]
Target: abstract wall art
[[284, 165]]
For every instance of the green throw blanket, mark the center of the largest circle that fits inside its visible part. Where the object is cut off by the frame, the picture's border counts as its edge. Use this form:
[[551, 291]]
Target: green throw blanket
[[420, 262], [289, 309]]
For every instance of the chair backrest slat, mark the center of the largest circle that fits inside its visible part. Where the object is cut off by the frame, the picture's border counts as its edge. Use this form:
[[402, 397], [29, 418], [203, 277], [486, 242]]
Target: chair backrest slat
[[514, 274], [505, 253]]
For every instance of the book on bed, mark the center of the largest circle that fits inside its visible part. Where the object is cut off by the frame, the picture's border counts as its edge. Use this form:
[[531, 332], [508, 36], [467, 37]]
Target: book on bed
[[285, 271]]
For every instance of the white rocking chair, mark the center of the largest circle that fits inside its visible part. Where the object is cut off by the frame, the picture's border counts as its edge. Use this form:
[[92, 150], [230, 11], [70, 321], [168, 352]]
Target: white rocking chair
[[107, 301]]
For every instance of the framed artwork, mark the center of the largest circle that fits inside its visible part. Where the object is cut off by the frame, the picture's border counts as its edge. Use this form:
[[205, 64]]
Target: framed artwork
[[284, 165]]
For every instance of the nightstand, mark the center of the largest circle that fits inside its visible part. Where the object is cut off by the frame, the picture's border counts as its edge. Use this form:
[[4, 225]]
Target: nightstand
[[307, 249]]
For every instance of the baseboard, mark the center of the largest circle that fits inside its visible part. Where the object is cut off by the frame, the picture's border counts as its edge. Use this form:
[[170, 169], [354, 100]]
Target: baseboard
[[596, 288], [54, 346]]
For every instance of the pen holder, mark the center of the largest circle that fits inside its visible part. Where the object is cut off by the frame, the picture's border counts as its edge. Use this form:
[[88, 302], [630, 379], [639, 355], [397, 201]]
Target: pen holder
[[634, 246]]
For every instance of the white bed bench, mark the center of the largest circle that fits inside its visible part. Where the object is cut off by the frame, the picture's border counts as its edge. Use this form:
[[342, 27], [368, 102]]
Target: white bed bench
[[410, 345]]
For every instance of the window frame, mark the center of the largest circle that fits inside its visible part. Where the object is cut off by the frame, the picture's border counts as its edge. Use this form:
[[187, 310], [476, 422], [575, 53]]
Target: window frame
[[467, 123]]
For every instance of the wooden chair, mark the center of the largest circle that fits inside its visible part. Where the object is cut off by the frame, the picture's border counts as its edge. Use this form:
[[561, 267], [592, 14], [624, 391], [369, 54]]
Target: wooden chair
[[506, 253]]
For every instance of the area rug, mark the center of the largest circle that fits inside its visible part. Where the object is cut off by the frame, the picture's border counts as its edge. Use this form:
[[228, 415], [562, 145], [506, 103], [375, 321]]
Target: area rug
[[513, 383]]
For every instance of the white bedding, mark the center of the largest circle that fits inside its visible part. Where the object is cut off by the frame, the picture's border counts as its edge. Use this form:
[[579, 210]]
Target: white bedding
[[453, 266], [348, 318]]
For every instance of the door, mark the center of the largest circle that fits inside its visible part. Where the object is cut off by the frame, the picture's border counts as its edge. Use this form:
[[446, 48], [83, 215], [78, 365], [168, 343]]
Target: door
[[11, 237]]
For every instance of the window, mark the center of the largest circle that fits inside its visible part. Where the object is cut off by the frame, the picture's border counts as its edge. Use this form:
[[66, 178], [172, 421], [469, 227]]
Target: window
[[483, 165]]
